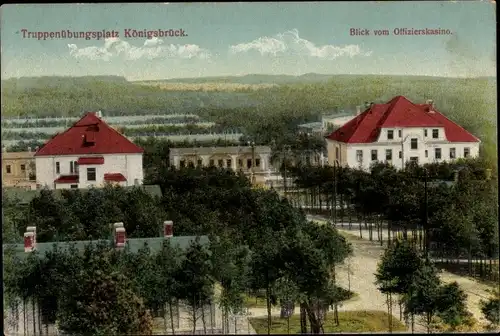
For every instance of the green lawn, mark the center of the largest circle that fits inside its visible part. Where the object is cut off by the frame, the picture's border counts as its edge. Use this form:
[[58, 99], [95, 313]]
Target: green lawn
[[259, 301], [251, 301], [350, 321]]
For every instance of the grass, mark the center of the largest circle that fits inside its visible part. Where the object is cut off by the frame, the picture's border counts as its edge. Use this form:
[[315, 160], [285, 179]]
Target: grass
[[350, 321], [259, 300], [251, 301]]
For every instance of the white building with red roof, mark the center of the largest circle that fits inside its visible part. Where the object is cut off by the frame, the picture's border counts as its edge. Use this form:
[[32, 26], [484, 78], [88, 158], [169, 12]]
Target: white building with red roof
[[397, 132], [88, 154]]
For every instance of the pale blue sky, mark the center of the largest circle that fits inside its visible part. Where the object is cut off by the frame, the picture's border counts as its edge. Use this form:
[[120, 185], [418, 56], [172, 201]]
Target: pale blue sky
[[267, 38]]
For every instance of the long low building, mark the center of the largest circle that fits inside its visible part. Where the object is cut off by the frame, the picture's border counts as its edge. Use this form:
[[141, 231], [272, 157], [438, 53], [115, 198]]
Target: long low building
[[236, 158]]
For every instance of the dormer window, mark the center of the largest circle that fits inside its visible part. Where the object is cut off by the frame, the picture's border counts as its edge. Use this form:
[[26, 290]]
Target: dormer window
[[390, 134]]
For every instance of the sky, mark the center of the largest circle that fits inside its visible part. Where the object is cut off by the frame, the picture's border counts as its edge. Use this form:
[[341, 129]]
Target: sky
[[233, 39]]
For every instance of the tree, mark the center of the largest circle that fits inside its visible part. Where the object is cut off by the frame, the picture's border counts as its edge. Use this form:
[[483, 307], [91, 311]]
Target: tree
[[195, 280], [231, 269], [396, 270], [491, 309], [452, 305], [102, 301], [423, 293]]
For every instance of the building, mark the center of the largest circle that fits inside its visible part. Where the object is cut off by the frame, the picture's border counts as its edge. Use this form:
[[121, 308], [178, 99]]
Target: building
[[397, 132], [88, 154], [28, 319], [18, 170], [236, 158]]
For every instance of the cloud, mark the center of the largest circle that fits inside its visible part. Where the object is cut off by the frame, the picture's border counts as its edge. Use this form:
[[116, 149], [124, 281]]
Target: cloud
[[153, 48], [290, 42]]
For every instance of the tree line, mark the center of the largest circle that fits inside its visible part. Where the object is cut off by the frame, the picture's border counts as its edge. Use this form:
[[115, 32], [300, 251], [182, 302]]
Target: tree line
[[447, 209], [257, 241]]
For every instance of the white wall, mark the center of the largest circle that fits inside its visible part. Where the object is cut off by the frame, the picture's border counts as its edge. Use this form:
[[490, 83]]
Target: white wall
[[130, 165], [407, 152]]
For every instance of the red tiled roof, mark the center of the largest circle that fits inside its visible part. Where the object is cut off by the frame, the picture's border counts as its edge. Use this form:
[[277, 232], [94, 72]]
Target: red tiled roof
[[399, 112], [89, 135], [91, 160], [67, 179], [114, 177]]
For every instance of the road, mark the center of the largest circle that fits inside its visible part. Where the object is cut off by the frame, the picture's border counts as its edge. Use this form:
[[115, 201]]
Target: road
[[364, 261]]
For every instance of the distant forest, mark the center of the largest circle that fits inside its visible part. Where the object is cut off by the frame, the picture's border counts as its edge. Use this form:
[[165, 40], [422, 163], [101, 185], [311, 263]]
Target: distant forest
[[265, 114]]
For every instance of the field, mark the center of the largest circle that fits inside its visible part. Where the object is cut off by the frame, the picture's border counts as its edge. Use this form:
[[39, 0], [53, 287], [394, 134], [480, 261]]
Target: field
[[350, 321]]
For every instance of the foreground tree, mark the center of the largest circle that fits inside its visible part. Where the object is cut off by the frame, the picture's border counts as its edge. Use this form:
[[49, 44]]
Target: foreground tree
[[491, 309], [396, 270], [102, 299]]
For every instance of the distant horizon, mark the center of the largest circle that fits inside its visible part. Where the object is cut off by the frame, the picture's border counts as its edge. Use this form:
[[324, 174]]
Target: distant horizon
[[251, 74]]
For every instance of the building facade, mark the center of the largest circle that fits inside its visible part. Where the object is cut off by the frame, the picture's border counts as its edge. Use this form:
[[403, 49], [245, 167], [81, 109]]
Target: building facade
[[18, 170], [235, 158], [88, 154], [398, 132]]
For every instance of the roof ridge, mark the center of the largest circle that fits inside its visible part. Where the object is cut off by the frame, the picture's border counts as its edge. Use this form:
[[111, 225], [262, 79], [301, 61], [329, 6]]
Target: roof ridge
[[60, 134]]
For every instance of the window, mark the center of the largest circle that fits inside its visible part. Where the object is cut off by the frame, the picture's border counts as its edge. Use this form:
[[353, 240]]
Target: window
[[400, 154], [212, 162], [228, 163], [257, 162], [191, 164], [240, 163], [374, 155], [390, 134], [453, 153], [8, 169], [23, 168], [466, 152], [91, 174], [388, 154], [400, 133], [337, 153], [249, 163], [183, 163], [200, 163], [414, 143], [220, 163], [425, 132], [74, 186], [426, 153], [73, 167], [437, 153], [359, 155], [414, 159], [58, 168], [435, 133]]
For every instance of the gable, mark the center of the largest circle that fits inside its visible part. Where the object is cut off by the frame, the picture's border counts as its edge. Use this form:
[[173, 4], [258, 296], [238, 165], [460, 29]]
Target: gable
[[89, 135], [398, 113]]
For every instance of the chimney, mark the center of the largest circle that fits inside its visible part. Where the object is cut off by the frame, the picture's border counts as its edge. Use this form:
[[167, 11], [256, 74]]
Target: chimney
[[30, 239], [36, 148], [358, 110], [29, 149], [168, 229], [99, 114], [120, 237], [32, 229], [118, 227], [430, 102]]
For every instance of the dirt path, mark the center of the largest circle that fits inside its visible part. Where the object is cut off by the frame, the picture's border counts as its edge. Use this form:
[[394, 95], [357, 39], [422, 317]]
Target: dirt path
[[475, 290]]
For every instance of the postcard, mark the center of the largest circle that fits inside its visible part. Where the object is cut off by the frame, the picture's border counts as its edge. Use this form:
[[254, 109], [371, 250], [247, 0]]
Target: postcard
[[336, 107]]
